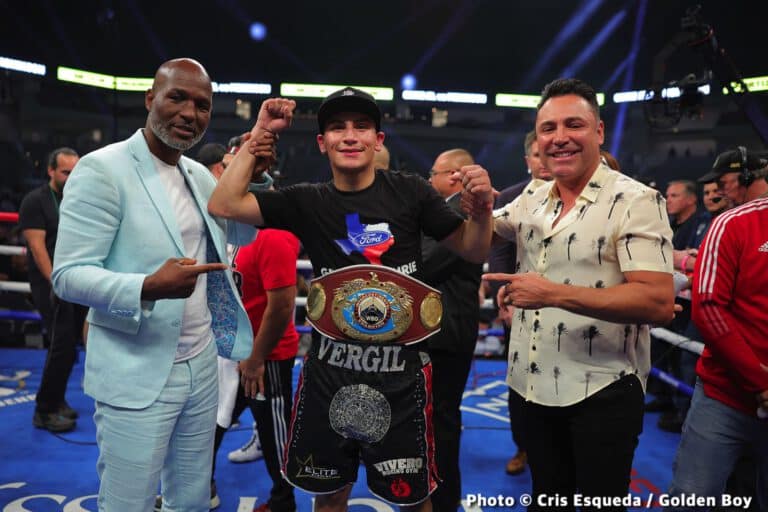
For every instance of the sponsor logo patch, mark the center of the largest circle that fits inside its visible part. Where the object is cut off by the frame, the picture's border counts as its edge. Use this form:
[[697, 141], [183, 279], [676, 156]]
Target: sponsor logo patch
[[400, 488], [307, 469], [399, 466]]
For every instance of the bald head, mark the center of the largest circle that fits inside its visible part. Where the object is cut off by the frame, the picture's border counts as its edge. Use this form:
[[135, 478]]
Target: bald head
[[176, 68], [458, 157], [445, 163], [179, 105]]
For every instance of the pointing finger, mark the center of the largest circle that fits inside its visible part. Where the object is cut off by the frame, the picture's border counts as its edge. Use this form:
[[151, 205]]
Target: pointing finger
[[207, 267]]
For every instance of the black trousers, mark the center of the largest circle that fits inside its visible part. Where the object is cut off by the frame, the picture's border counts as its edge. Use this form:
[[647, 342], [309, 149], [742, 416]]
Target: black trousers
[[68, 319], [587, 447], [273, 417], [450, 371], [516, 408], [41, 298]]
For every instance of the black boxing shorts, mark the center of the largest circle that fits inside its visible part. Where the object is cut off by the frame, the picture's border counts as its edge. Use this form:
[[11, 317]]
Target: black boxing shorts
[[363, 400]]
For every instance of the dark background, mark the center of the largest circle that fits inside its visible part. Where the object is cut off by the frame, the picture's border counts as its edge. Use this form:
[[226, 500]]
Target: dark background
[[486, 46]]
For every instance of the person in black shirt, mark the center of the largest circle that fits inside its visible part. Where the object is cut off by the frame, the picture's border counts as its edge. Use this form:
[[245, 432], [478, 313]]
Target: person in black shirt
[[63, 321], [503, 258], [450, 350], [362, 216]]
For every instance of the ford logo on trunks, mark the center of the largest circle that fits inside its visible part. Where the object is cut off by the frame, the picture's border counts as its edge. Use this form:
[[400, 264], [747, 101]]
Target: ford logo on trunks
[[367, 238]]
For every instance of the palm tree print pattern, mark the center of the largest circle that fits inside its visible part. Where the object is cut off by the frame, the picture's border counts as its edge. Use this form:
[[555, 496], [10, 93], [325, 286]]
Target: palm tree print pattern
[[589, 336], [583, 210], [659, 199], [542, 203], [530, 236], [618, 197], [627, 240], [600, 245], [571, 239], [583, 241], [559, 331], [515, 360], [558, 205]]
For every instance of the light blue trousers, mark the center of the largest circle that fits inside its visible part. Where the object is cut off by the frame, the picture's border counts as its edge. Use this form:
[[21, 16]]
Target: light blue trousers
[[170, 441]]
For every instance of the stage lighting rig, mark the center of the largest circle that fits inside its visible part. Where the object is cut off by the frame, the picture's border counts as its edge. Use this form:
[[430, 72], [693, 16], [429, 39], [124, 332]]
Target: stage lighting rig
[[666, 111], [666, 105]]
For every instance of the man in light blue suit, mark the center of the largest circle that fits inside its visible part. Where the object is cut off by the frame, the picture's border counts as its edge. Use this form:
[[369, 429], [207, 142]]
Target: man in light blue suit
[[137, 245]]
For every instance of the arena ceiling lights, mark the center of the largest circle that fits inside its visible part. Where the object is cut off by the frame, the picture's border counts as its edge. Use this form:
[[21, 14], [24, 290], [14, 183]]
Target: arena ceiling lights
[[79, 76], [22, 66], [643, 95], [529, 100], [139, 84], [242, 88], [291, 90], [135, 84], [125, 83], [445, 97], [754, 84]]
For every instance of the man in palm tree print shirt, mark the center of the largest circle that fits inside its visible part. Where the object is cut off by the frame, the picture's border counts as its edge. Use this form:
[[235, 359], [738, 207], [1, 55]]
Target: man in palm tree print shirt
[[595, 268]]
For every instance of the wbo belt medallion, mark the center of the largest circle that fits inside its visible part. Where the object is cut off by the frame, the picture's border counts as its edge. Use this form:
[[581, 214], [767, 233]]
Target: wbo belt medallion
[[373, 303]]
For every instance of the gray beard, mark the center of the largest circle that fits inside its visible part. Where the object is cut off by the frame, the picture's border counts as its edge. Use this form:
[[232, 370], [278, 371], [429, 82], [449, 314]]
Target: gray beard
[[164, 134]]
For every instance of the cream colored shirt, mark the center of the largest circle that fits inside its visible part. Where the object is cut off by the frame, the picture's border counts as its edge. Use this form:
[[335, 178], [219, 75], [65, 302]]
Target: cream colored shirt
[[556, 357]]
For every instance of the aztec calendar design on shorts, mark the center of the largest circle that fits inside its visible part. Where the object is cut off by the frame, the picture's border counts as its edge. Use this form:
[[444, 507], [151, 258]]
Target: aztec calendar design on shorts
[[360, 412]]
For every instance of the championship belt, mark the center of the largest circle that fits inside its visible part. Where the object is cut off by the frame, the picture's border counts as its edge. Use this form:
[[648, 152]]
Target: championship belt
[[373, 303]]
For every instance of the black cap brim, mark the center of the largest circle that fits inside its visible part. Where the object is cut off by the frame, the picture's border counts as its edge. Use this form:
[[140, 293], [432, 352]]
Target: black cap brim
[[710, 177], [348, 104]]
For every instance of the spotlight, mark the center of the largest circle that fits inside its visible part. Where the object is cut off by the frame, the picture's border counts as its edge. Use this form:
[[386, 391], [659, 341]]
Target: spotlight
[[408, 82], [258, 31]]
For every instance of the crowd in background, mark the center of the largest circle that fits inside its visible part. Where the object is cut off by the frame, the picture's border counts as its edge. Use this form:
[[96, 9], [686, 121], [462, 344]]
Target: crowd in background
[[691, 206]]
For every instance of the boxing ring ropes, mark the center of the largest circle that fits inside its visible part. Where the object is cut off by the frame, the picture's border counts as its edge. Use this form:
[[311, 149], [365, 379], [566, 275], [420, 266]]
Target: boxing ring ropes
[[23, 287]]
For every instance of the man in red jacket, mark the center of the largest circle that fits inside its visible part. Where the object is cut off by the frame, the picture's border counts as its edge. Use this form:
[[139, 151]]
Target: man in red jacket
[[730, 300]]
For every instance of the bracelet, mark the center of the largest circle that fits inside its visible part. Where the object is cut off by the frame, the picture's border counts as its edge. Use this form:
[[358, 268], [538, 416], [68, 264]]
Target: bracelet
[[684, 263], [264, 185]]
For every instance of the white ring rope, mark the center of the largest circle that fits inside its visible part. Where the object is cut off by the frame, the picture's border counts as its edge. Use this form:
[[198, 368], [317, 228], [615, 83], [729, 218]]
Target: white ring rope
[[659, 332], [12, 250]]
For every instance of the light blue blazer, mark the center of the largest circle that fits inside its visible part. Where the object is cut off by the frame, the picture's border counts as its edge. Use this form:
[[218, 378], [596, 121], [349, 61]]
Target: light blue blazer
[[116, 227]]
